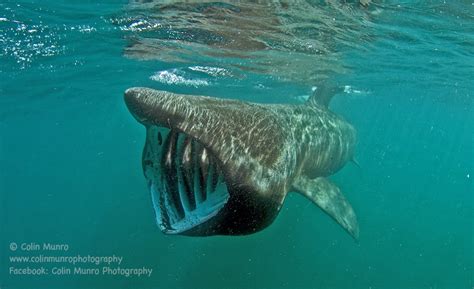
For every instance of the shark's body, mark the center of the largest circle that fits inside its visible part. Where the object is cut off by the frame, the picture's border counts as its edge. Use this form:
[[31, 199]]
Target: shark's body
[[217, 166]]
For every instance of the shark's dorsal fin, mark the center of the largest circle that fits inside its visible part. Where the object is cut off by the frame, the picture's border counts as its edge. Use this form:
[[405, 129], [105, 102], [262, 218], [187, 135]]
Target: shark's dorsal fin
[[322, 94], [330, 199]]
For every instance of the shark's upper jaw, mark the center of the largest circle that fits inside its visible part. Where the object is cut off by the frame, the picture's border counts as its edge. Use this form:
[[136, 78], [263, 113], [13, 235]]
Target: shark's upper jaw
[[142, 103], [193, 192]]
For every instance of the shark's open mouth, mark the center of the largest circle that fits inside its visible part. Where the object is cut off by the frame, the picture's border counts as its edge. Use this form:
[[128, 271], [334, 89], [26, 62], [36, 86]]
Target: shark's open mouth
[[186, 181]]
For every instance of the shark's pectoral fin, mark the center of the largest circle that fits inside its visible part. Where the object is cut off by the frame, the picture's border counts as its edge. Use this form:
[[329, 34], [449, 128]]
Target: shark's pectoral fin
[[330, 199]]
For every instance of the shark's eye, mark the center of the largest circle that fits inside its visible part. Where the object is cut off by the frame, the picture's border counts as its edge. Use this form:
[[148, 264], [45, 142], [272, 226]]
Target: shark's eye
[[185, 179]]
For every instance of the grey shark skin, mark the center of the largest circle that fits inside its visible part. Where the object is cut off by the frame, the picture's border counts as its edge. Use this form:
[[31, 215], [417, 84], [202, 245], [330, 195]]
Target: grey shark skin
[[223, 167]]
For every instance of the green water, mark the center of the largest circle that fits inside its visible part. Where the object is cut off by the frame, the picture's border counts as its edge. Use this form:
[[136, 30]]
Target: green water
[[70, 152]]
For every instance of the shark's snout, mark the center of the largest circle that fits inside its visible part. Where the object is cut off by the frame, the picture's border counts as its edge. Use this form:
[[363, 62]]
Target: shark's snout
[[140, 103], [133, 96], [131, 93], [162, 108], [135, 101]]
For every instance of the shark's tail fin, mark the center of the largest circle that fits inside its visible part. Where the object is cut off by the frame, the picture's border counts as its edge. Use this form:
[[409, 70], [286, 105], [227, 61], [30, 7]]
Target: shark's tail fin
[[330, 199], [323, 93]]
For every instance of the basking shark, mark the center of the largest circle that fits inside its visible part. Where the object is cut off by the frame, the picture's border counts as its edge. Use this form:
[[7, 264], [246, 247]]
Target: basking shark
[[224, 167]]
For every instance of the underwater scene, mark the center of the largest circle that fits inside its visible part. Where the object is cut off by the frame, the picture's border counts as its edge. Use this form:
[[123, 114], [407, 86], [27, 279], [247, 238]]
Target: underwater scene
[[236, 144]]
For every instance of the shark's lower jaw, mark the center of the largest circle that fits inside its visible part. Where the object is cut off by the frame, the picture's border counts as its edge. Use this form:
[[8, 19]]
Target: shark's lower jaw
[[186, 182]]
